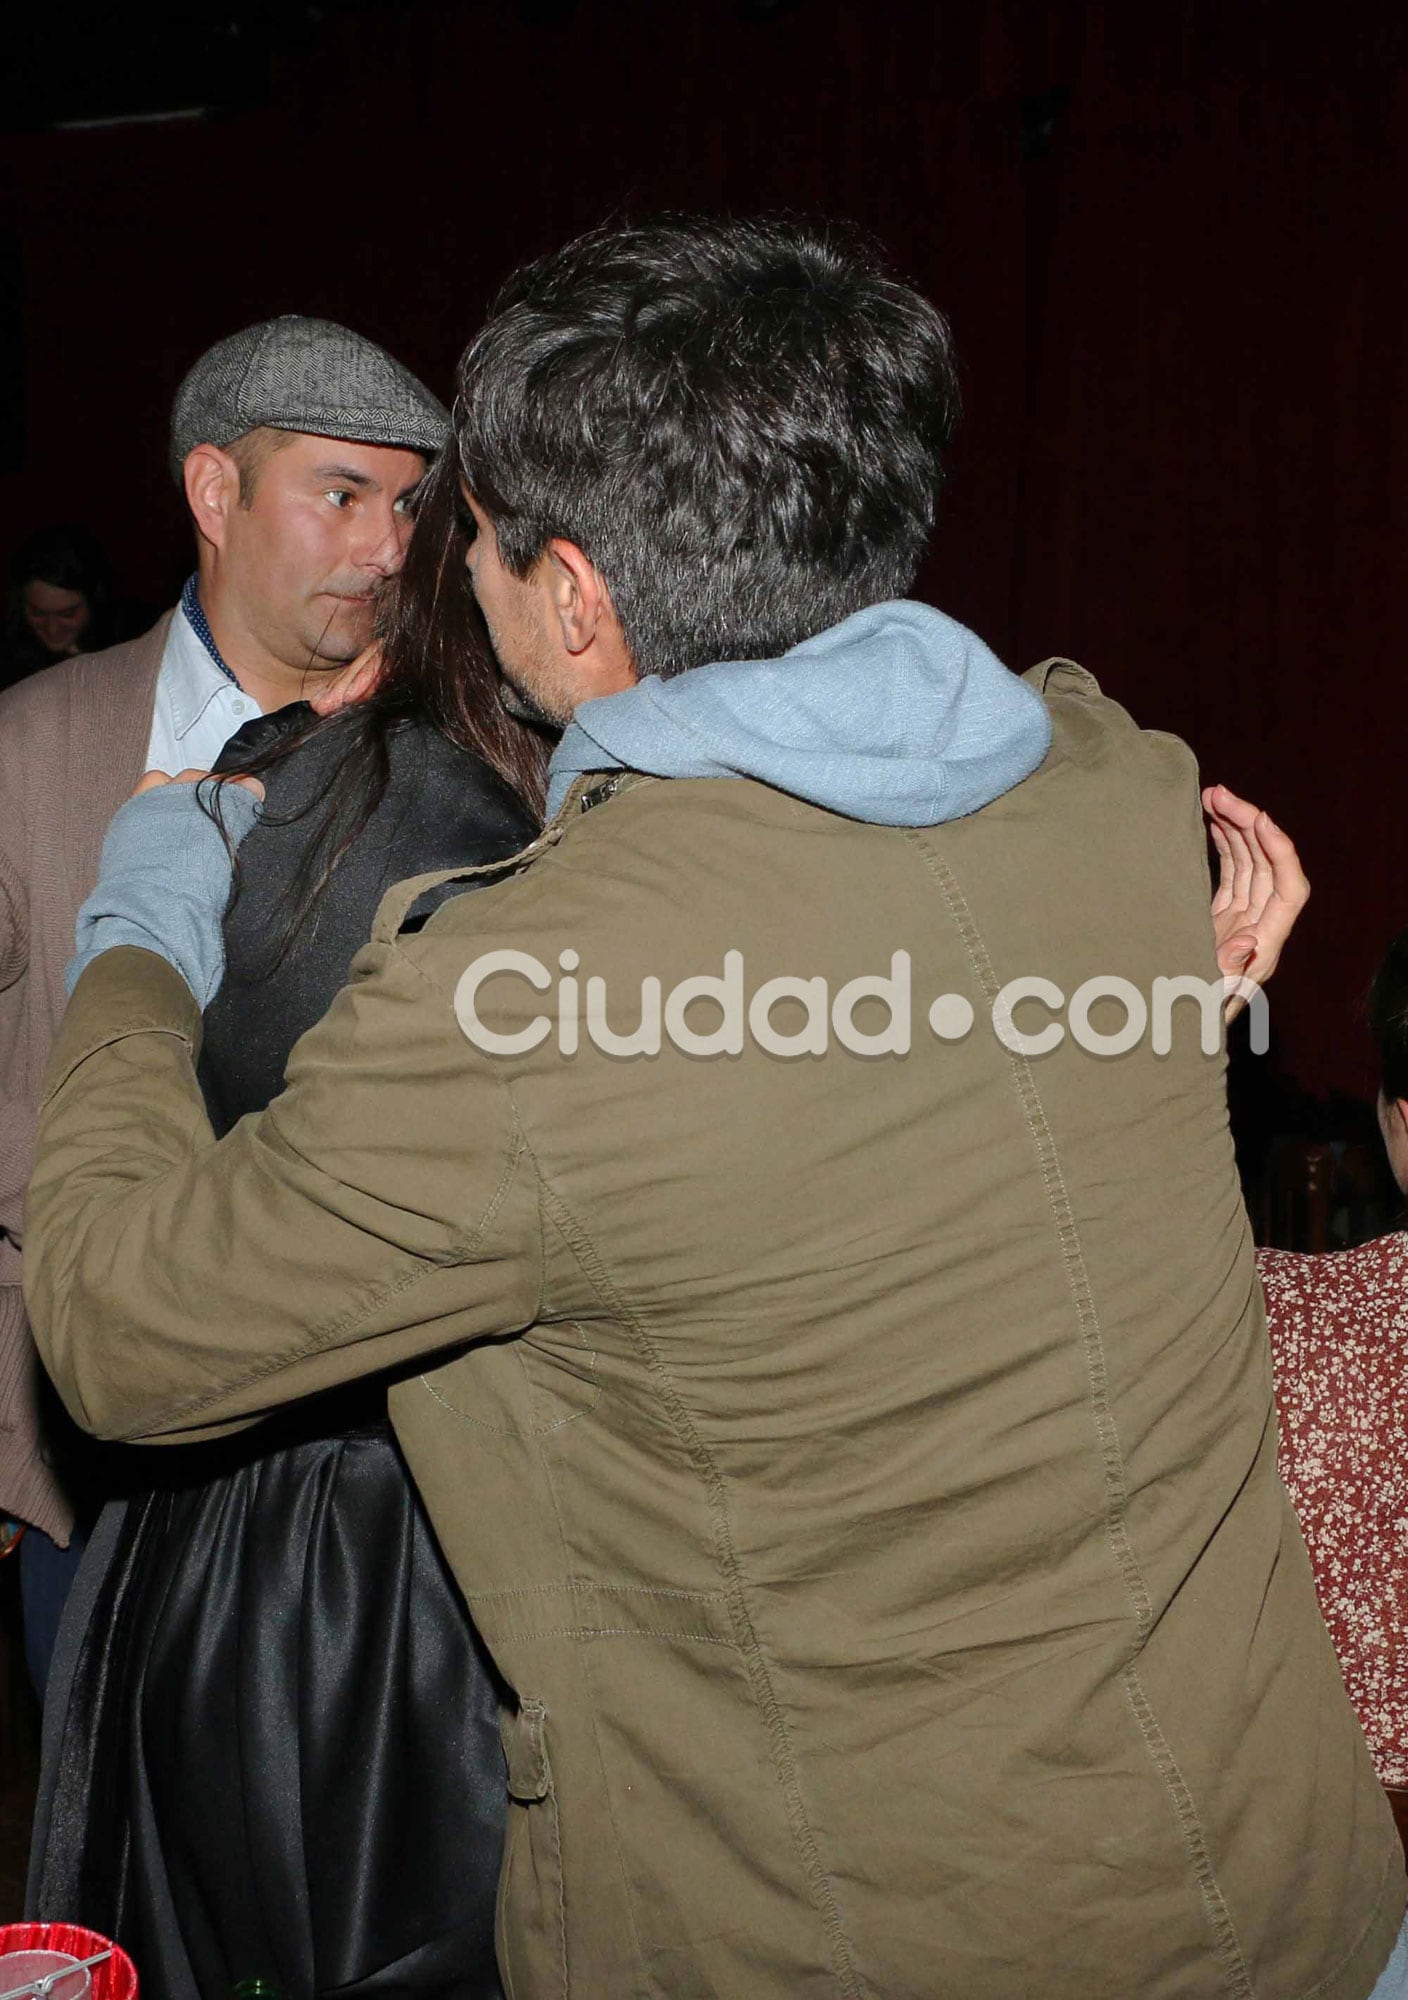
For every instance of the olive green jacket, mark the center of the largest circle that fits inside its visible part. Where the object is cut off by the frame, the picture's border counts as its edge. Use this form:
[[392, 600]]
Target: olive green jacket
[[862, 1466]]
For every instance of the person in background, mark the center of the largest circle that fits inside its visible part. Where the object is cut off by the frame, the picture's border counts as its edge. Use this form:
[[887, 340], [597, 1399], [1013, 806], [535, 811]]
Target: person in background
[[61, 602], [299, 446], [1339, 1348]]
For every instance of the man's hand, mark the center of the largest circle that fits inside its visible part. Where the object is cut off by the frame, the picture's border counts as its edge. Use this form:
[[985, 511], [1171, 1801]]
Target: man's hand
[[149, 781], [356, 681], [1261, 889]]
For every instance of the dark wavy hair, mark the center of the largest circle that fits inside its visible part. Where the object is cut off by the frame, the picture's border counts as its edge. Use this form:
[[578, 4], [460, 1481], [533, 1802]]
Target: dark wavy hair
[[742, 424], [438, 667]]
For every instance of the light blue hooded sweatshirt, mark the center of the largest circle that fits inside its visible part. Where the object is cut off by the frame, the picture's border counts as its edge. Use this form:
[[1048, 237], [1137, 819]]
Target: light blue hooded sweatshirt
[[898, 715]]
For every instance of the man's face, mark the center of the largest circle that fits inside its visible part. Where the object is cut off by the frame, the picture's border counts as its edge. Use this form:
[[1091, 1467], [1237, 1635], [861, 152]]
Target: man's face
[[517, 612], [327, 525], [55, 616]]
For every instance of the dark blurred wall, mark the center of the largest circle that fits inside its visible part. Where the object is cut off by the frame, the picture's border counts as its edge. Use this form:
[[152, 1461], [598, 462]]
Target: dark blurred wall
[[1170, 238]]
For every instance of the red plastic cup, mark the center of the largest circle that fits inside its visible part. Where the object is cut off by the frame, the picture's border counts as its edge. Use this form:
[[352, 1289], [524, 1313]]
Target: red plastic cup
[[114, 1979]]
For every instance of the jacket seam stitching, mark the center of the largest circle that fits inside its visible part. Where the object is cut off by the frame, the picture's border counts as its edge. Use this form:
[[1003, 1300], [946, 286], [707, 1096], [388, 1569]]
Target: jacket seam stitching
[[585, 1584], [328, 1336], [1190, 1826], [108, 1041], [569, 1632], [556, 1823], [584, 1633], [509, 1430], [612, 1632], [804, 1840], [1112, 1461], [590, 1680], [412, 964], [540, 1452]]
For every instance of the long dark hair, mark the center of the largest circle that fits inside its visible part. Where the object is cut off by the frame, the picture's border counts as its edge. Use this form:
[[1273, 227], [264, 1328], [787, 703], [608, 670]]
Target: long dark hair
[[437, 667]]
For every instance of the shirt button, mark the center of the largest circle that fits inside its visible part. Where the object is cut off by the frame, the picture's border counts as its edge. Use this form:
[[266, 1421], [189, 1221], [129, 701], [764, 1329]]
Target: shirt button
[[238, 707]]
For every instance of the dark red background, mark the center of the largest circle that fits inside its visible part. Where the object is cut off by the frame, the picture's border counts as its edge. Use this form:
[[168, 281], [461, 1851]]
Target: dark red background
[[1181, 313]]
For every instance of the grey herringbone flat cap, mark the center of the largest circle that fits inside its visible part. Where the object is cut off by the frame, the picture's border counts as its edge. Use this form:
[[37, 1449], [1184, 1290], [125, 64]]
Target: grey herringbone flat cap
[[297, 374]]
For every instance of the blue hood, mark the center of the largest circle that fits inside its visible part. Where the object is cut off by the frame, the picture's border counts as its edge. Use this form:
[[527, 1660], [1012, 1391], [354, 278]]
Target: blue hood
[[898, 715]]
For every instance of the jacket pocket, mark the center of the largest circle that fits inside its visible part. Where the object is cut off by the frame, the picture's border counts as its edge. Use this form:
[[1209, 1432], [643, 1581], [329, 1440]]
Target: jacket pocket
[[530, 1927]]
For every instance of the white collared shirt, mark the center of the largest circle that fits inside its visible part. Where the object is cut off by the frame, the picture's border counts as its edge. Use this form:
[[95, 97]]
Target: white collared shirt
[[197, 710]]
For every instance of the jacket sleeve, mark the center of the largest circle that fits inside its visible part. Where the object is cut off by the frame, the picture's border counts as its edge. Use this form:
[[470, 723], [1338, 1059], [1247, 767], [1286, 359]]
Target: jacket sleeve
[[383, 1209]]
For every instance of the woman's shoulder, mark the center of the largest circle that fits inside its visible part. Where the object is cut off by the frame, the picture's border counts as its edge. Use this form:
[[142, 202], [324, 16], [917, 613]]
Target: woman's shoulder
[[302, 758], [1377, 1266], [454, 793], [1340, 1304], [418, 748]]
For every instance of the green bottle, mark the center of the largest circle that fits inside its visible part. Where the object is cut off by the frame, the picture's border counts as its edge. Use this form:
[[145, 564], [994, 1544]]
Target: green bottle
[[256, 1989]]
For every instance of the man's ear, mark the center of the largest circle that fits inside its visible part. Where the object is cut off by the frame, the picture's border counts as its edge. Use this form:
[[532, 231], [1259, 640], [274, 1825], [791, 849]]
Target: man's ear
[[590, 629], [212, 482], [581, 601], [1398, 1109]]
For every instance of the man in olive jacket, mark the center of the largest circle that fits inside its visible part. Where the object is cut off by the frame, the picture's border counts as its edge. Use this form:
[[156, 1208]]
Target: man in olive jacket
[[830, 1348]]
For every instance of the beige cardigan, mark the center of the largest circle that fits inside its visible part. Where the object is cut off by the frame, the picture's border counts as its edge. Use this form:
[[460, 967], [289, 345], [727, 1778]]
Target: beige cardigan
[[73, 743]]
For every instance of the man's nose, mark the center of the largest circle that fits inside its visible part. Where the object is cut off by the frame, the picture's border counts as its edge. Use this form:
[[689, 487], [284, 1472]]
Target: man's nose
[[386, 543]]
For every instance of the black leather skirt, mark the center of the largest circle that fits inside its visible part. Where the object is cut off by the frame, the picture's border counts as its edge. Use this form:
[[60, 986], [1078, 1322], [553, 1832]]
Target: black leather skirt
[[273, 1744]]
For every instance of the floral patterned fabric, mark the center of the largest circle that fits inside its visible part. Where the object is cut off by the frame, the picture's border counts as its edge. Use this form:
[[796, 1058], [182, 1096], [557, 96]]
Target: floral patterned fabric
[[1339, 1344]]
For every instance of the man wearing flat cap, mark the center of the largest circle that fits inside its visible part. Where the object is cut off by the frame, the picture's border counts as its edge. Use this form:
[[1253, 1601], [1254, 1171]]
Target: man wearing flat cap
[[299, 446]]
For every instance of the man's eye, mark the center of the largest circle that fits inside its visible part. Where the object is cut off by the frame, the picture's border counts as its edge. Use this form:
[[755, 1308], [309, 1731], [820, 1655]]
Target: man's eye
[[340, 496]]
